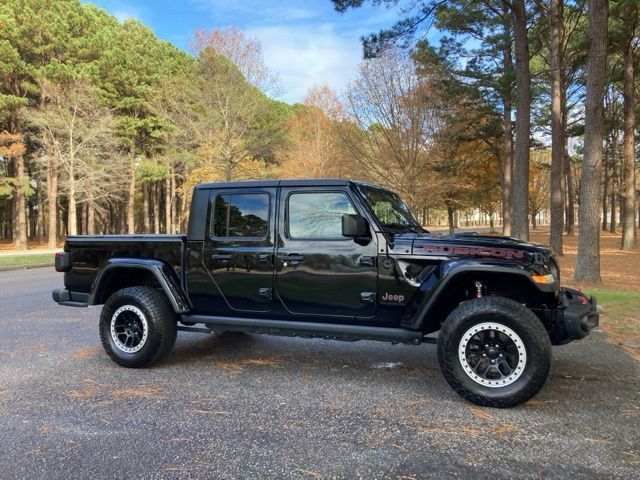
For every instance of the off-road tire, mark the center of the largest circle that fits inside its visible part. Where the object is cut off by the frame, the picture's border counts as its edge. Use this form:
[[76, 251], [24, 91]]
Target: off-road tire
[[514, 316], [161, 323]]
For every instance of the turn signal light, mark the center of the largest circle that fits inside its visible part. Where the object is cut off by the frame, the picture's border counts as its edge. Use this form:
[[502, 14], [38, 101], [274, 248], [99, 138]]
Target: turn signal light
[[544, 279]]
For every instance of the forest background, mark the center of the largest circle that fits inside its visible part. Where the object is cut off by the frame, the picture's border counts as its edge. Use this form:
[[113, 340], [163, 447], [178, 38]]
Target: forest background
[[522, 112]]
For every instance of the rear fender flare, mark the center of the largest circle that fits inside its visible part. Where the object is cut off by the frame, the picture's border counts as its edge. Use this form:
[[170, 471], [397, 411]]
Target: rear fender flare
[[166, 277]]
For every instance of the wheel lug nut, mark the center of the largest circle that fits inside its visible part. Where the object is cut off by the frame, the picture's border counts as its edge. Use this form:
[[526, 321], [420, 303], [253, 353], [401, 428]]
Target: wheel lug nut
[[484, 354], [493, 361]]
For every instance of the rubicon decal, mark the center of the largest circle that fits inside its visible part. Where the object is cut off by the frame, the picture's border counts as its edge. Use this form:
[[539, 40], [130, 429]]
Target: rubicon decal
[[431, 249]]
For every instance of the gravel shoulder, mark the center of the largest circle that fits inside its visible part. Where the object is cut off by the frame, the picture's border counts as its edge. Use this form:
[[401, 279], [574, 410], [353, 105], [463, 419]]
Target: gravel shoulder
[[251, 406]]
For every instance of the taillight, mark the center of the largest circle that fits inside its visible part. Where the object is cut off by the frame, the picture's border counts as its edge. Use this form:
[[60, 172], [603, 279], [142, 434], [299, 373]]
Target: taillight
[[63, 262]]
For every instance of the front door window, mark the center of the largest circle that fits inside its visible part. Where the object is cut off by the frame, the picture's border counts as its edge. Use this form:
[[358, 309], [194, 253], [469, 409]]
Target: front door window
[[317, 215]]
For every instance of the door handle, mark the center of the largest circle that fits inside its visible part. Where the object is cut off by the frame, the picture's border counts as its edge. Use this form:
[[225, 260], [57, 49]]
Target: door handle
[[368, 297], [264, 258], [221, 256], [265, 293], [292, 258], [368, 261]]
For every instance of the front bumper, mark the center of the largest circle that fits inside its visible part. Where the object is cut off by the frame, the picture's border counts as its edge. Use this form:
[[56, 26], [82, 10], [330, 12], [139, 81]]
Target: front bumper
[[576, 316]]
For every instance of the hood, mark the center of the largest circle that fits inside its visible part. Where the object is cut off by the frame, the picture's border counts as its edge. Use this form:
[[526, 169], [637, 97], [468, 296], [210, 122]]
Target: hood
[[472, 245]]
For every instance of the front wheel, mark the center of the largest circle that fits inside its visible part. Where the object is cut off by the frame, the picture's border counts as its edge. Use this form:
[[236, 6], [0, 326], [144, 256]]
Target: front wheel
[[137, 327], [494, 352]]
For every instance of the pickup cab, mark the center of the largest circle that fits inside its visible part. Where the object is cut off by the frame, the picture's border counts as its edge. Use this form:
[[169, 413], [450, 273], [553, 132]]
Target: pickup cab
[[335, 259]]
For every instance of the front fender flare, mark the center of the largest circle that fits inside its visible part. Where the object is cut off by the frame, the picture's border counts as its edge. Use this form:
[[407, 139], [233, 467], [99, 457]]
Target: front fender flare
[[166, 277], [451, 271]]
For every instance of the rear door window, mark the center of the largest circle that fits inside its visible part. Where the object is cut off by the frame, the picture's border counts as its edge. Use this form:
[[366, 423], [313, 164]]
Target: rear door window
[[241, 215]]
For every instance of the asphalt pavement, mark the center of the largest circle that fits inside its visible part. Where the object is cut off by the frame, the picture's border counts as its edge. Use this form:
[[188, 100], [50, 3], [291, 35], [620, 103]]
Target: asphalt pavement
[[254, 406]]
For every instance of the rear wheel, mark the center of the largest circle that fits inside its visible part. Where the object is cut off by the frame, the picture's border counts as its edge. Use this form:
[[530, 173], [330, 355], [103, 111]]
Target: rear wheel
[[137, 327], [494, 351]]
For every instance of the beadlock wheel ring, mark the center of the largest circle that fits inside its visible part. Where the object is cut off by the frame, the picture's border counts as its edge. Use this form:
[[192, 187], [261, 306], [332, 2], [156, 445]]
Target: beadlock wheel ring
[[492, 354], [129, 329]]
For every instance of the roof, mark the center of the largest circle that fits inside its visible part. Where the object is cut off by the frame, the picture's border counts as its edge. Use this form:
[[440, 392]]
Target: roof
[[302, 182]]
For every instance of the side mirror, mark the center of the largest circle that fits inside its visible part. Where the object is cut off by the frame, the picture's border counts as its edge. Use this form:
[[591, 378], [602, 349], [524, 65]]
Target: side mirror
[[354, 226]]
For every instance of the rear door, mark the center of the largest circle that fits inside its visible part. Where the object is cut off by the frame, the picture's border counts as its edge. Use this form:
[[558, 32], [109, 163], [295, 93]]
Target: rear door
[[318, 271], [239, 248]]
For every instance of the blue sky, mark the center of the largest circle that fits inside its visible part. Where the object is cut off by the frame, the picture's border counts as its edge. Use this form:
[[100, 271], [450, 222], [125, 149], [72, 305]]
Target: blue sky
[[305, 42]]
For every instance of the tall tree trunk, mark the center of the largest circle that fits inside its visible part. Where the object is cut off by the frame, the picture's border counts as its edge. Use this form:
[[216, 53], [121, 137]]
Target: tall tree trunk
[[588, 258], [228, 170], [628, 152], [520, 195], [614, 181], [167, 205], [175, 204], [507, 100], [72, 216], [605, 189], [451, 220], [91, 217], [52, 201], [145, 207], [155, 190], [131, 198], [80, 211], [184, 212], [507, 168], [20, 218], [41, 213], [557, 134]]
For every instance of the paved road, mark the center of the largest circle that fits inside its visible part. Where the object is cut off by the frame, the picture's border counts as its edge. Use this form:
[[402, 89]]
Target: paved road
[[252, 406]]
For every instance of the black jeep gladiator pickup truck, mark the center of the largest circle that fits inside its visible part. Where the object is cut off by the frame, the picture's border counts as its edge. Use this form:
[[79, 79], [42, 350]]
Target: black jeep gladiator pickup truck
[[334, 259]]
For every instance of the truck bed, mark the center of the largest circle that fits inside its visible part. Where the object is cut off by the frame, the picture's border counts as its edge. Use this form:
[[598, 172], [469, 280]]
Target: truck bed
[[89, 253]]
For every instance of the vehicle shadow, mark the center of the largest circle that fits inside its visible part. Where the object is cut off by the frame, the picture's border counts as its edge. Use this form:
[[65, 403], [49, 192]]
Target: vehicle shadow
[[414, 367], [203, 346], [291, 356]]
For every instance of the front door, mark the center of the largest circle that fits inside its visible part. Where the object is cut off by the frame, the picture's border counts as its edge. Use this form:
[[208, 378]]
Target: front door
[[239, 250], [318, 271]]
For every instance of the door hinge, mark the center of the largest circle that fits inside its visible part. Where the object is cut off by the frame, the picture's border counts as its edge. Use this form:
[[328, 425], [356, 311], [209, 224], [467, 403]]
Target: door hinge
[[368, 297]]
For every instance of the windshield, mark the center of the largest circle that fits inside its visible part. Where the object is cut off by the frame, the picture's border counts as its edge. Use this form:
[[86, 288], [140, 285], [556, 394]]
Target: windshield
[[391, 212]]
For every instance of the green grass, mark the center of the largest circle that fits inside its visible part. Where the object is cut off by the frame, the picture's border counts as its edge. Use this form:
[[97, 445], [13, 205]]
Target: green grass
[[26, 260], [621, 317], [617, 298]]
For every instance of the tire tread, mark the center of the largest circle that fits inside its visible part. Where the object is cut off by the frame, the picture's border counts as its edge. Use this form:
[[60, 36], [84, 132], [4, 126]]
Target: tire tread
[[502, 306], [162, 317]]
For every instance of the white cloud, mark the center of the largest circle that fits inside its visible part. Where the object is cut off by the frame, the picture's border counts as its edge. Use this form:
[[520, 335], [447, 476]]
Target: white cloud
[[308, 55], [305, 42], [121, 9], [122, 15]]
